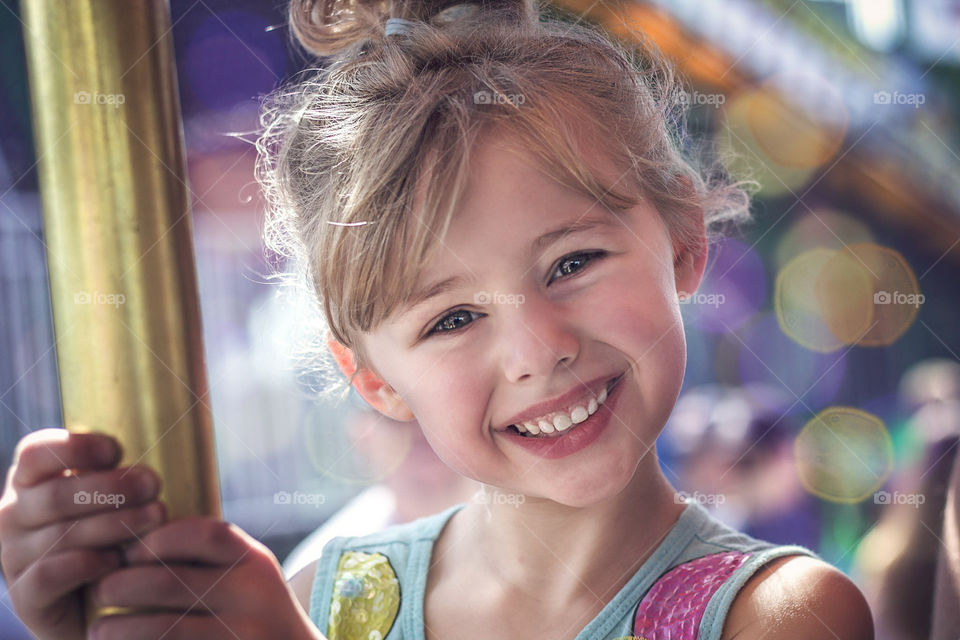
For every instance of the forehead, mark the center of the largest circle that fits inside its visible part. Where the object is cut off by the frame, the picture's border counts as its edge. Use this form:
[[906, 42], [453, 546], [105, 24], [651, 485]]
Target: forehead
[[512, 211], [502, 155], [507, 160], [510, 194]]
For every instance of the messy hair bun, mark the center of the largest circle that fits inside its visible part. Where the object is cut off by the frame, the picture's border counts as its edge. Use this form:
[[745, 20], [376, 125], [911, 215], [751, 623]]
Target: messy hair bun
[[328, 27]]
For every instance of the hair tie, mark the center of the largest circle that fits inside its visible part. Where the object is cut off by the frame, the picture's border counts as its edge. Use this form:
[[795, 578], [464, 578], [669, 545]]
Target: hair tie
[[397, 26], [460, 11]]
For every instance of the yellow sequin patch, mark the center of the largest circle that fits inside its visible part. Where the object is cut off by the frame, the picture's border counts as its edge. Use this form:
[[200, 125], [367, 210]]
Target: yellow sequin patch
[[366, 597]]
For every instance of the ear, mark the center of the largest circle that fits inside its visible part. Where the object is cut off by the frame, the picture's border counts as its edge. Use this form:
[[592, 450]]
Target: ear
[[690, 260], [369, 385], [689, 263]]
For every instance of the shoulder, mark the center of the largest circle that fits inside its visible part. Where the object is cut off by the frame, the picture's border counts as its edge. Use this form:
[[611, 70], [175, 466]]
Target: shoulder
[[302, 584], [798, 597]]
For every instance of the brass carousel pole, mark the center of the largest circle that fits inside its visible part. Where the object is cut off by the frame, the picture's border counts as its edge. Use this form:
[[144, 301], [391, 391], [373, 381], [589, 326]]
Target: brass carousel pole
[[117, 227]]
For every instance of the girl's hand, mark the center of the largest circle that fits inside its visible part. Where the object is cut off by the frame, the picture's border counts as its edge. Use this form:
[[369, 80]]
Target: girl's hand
[[58, 530], [212, 581]]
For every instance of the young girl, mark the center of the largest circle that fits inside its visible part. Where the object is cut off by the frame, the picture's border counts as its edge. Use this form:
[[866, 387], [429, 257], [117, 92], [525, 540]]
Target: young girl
[[496, 216]]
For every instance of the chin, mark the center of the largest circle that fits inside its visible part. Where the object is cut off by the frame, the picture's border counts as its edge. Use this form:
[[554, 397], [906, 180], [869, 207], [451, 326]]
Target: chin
[[601, 488]]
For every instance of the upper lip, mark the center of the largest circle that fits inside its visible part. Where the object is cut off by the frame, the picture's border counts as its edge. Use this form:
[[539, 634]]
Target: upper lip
[[559, 403]]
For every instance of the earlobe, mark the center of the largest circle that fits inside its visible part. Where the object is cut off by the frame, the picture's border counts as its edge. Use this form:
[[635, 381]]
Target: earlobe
[[392, 405], [369, 385], [689, 265]]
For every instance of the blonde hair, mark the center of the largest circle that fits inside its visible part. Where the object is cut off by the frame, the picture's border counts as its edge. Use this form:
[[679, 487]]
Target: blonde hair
[[347, 149]]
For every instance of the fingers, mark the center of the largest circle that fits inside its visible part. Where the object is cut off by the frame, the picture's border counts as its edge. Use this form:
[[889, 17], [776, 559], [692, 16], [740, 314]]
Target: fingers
[[71, 497], [196, 578], [47, 453], [169, 626], [161, 586], [100, 530], [203, 540], [57, 574]]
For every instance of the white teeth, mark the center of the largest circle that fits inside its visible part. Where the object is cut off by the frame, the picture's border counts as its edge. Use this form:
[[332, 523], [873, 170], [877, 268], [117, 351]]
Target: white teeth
[[562, 421], [578, 415]]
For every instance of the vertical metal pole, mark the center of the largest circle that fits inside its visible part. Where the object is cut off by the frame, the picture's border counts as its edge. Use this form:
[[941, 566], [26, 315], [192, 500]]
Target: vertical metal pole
[[119, 246]]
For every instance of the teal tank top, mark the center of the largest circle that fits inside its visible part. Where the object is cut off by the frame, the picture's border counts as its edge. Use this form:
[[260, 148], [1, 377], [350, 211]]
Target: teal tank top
[[372, 587]]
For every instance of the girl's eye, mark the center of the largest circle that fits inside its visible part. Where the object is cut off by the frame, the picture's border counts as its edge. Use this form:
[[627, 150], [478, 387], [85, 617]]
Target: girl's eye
[[459, 318], [451, 322], [574, 262]]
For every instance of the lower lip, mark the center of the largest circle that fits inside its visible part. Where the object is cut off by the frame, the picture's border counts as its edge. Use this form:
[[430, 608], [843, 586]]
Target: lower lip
[[577, 437]]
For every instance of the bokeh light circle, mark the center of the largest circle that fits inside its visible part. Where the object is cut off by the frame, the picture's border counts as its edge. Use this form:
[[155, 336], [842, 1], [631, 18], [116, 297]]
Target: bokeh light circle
[[819, 227], [896, 296], [791, 135], [861, 294], [843, 454], [746, 158], [823, 299]]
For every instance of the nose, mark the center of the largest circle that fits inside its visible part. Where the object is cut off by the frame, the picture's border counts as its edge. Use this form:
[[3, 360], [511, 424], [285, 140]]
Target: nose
[[536, 338]]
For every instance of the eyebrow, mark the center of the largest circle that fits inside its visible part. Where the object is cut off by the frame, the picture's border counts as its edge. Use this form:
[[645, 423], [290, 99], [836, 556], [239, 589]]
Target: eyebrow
[[537, 247]]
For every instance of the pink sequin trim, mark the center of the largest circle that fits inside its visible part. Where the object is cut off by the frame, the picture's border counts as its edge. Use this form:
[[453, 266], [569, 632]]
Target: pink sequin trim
[[674, 606]]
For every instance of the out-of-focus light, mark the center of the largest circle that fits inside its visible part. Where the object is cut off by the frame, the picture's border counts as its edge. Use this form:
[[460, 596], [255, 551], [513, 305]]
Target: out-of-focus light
[[877, 23], [747, 159], [844, 455], [799, 119], [820, 227], [823, 299], [896, 293], [779, 134], [931, 380], [862, 294]]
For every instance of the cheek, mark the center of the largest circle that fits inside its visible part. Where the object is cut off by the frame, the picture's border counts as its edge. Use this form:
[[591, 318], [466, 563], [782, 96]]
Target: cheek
[[447, 400], [644, 325], [440, 386], [638, 310]]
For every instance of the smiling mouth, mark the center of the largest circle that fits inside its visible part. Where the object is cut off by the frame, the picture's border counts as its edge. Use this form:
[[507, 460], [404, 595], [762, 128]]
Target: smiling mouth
[[557, 432]]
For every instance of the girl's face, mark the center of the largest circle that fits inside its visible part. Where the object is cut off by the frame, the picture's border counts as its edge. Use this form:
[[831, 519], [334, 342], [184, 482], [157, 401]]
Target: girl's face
[[537, 315]]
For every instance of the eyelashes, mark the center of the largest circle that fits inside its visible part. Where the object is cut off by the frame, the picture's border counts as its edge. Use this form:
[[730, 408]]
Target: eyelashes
[[448, 323]]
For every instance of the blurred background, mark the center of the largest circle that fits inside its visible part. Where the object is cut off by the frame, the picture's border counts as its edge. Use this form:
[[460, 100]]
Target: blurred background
[[820, 404]]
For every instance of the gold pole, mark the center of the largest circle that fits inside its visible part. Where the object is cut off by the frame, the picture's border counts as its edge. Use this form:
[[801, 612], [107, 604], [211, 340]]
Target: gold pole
[[119, 247]]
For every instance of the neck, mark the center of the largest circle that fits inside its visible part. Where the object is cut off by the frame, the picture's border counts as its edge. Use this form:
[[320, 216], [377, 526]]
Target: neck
[[564, 553]]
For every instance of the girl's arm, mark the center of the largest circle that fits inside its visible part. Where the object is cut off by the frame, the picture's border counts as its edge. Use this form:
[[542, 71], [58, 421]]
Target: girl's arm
[[302, 584], [799, 597]]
